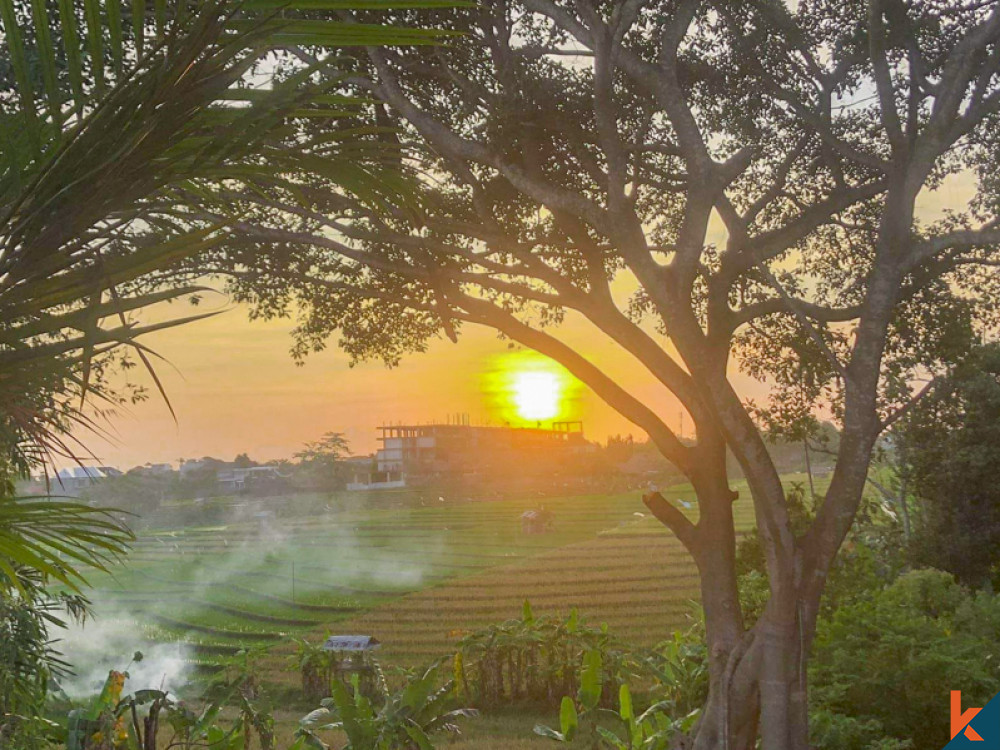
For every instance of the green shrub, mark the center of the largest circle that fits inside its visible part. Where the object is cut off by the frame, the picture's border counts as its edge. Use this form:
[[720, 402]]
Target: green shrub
[[832, 730], [401, 720], [884, 664]]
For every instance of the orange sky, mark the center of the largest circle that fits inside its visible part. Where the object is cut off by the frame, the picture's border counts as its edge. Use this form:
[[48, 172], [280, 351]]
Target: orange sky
[[235, 388]]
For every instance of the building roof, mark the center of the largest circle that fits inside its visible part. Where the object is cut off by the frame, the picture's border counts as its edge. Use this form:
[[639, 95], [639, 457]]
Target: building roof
[[351, 643], [556, 428], [87, 472]]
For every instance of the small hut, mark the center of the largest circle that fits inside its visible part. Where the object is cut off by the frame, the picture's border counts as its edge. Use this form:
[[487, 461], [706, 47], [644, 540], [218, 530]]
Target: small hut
[[354, 655], [537, 521]]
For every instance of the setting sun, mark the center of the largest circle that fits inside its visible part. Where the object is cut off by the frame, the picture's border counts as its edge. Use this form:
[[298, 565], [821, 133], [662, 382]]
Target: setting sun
[[524, 388], [536, 395]]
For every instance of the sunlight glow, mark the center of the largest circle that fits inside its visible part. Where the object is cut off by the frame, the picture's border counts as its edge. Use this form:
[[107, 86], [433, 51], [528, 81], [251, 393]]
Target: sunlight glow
[[524, 389], [537, 395]]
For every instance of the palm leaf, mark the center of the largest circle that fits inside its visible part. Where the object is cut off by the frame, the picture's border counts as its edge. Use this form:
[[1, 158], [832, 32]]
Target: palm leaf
[[96, 209], [58, 538]]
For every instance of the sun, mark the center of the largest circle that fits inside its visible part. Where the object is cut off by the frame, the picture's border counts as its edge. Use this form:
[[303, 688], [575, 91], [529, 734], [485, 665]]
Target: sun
[[522, 388], [537, 395]]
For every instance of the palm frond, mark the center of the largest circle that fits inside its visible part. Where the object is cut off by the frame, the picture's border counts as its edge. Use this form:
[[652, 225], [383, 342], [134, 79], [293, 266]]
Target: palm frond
[[115, 114], [57, 538]]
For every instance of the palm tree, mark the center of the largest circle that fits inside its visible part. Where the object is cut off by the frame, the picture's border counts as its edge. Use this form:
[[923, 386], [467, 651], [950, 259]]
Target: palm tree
[[93, 173], [114, 118]]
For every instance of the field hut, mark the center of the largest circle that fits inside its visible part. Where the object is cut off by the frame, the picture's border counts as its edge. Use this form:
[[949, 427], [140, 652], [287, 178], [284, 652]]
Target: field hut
[[537, 521], [354, 655]]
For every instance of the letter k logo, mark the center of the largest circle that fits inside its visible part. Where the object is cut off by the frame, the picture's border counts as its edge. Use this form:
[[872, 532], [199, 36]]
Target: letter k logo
[[960, 721]]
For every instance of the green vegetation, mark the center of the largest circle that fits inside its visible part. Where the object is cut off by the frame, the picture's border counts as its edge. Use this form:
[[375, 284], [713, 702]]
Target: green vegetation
[[391, 721], [907, 645], [950, 444]]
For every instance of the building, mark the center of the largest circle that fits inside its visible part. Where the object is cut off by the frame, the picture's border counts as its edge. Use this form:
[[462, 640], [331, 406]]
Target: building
[[419, 453], [75, 480], [234, 479], [363, 474]]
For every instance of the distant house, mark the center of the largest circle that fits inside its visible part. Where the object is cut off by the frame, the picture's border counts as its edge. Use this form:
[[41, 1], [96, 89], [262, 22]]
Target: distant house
[[232, 479], [78, 478], [153, 470]]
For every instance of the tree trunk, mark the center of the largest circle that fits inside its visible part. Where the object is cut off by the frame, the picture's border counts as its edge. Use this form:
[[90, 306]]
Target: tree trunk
[[757, 677], [762, 692], [726, 722]]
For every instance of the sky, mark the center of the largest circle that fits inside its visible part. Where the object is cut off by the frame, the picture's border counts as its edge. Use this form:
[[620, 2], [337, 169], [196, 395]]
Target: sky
[[235, 389]]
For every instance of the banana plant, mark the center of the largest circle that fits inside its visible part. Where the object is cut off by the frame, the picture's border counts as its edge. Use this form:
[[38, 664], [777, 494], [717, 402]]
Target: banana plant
[[404, 720], [679, 665], [653, 729], [536, 658]]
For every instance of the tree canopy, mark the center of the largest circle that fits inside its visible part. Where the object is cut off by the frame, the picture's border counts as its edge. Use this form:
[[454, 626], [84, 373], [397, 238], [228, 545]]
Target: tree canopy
[[951, 444], [752, 173]]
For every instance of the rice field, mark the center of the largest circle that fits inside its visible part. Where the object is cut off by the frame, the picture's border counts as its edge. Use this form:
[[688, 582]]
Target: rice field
[[277, 571], [632, 575], [415, 573]]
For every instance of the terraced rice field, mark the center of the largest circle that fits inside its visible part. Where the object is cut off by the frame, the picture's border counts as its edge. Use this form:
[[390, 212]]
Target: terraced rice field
[[284, 572], [634, 576], [417, 575]]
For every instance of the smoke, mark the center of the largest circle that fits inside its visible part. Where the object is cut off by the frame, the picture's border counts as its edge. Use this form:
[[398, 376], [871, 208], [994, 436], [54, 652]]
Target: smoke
[[181, 574], [261, 555], [108, 641]]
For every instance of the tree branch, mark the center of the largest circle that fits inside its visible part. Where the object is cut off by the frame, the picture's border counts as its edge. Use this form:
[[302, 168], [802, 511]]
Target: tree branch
[[674, 520]]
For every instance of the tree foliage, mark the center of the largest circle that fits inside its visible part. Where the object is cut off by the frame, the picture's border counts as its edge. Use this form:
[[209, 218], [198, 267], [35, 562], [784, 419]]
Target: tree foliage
[[952, 451], [881, 662]]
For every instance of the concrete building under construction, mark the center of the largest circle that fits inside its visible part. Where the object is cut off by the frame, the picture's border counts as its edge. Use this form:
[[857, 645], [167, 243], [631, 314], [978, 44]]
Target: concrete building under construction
[[417, 454]]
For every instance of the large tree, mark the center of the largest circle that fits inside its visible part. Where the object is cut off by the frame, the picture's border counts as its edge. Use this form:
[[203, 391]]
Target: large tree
[[573, 149]]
